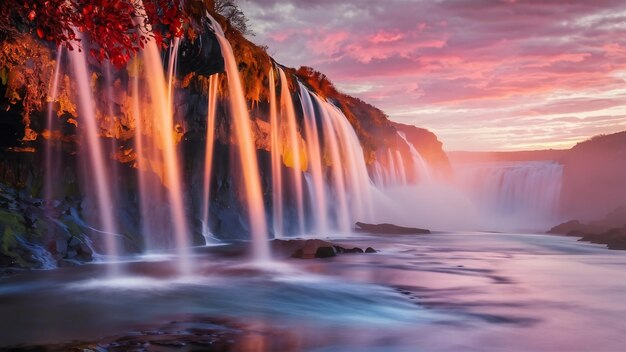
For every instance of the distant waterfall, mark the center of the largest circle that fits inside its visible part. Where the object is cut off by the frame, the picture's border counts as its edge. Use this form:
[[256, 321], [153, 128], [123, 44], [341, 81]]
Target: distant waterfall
[[514, 189], [390, 168]]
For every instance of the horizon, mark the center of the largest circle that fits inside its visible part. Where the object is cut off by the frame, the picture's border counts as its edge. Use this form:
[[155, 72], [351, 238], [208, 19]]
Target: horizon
[[485, 77]]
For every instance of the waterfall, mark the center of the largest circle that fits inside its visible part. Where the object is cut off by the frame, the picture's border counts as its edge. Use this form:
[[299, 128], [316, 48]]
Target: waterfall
[[392, 178], [524, 190], [276, 160], [145, 202], [422, 169], [208, 157], [245, 146], [51, 162], [164, 138], [292, 155], [402, 177], [315, 167], [89, 130], [343, 218], [352, 186]]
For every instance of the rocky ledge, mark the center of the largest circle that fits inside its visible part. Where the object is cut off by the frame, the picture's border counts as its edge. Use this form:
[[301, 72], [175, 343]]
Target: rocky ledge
[[389, 229], [291, 248], [610, 231]]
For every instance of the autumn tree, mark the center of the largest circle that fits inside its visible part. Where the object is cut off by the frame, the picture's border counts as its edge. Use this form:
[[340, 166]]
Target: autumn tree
[[112, 26]]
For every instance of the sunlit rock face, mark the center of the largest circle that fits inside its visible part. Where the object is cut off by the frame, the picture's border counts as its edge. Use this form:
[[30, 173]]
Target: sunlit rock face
[[330, 161]]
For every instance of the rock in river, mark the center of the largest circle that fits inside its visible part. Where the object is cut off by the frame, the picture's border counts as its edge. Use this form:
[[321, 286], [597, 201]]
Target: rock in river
[[389, 229]]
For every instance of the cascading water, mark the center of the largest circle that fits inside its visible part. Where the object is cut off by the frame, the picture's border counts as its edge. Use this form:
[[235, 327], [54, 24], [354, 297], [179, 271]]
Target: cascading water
[[51, 125], [351, 183], [171, 71], [422, 169], [99, 173], [355, 168], [528, 191], [315, 167], [292, 155], [343, 218], [142, 163], [276, 160], [245, 147], [402, 176], [208, 157], [392, 175], [164, 138]]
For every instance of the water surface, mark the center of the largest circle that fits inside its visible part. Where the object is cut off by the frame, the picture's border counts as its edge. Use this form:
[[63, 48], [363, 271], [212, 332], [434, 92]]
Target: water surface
[[439, 292]]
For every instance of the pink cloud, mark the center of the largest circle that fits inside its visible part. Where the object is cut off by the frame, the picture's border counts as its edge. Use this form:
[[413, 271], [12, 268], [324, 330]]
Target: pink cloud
[[385, 37], [497, 61]]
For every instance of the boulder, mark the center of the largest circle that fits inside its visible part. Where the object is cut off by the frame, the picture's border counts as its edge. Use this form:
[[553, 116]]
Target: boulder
[[310, 249], [389, 229]]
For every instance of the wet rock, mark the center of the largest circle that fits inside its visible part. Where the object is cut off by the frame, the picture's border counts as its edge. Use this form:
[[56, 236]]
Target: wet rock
[[351, 250], [576, 228], [370, 250], [389, 229], [310, 249], [613, 238], [325, 252], [611, 230]]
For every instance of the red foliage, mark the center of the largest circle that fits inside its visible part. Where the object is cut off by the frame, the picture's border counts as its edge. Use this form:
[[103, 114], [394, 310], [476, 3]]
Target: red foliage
[[113, 26]]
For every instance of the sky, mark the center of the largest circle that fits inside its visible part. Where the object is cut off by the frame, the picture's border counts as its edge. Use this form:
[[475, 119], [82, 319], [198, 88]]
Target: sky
[[484, 75]]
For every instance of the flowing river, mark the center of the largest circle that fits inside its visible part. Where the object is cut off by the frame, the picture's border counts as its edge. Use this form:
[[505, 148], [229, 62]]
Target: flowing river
[[438, 292]]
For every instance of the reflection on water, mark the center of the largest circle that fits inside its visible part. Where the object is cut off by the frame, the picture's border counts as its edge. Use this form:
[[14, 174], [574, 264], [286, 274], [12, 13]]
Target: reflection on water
[[446, 291]]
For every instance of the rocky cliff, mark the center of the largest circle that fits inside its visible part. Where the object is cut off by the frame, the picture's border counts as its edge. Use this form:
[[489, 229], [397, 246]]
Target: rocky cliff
[[38, 235]]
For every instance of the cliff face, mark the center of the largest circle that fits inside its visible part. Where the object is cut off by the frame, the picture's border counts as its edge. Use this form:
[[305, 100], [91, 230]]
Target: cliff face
[[594, 177], [29, 228]]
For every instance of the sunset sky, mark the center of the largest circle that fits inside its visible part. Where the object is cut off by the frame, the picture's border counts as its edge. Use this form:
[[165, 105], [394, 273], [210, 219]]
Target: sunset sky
[[482, 74]]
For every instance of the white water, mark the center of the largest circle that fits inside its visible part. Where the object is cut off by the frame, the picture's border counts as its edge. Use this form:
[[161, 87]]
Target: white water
[[292, 149], [208, 158], [245, 147], [89, 131], [514, 192], [52, 126], [164, 138], [317, 190], [422, 169]]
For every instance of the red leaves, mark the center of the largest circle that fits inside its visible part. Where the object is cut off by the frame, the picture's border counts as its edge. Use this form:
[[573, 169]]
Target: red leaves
[[111, 25]]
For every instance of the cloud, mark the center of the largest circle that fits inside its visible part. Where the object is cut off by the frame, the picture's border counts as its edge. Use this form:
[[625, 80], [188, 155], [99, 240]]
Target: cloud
[[472, 62]]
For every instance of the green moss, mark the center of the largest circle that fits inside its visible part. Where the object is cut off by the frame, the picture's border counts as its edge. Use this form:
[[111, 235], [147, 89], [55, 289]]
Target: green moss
[[8, 241], [12, 220], [13, 225]]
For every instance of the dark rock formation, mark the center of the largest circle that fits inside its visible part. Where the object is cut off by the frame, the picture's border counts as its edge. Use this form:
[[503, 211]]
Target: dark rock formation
[[389, 229], [613, 238], [309, 249], [610, 231]]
